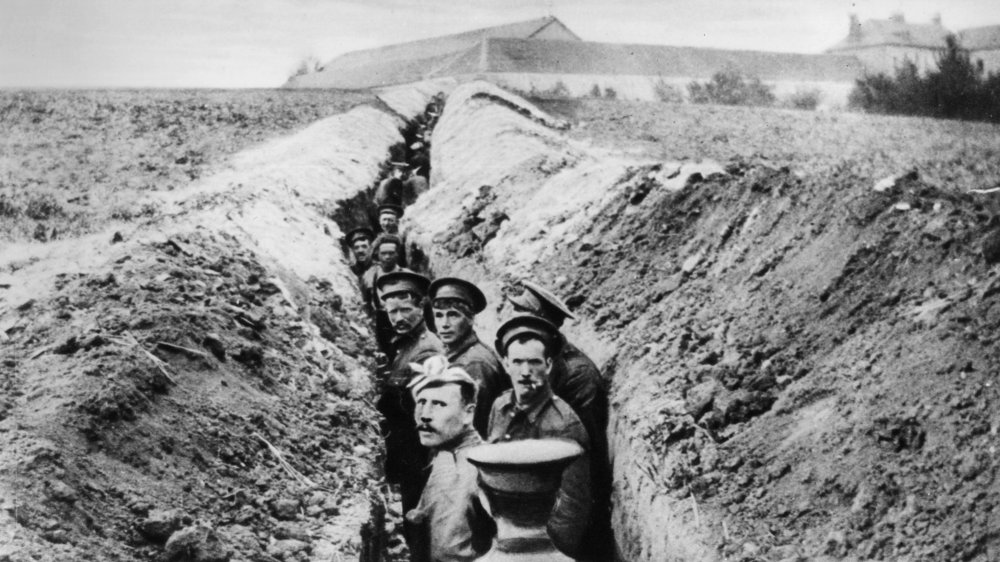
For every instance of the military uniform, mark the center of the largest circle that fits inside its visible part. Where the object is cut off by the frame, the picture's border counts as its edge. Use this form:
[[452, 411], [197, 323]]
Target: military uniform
[[469, 353], [459, 530], [576, 379], [551, 417], [484, 366]]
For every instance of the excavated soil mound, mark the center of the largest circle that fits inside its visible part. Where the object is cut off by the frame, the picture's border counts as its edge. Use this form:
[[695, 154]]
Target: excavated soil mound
[[194, 384], [802, 361]]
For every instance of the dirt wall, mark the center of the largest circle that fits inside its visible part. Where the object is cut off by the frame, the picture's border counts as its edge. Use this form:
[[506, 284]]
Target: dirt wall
[[194, 386], [800, 366]]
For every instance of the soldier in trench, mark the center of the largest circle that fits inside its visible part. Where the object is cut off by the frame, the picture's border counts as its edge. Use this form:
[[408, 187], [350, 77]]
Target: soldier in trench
[[459, 528], [454, 305], [529, 346], [388, 218], [403, 295], [388, 249], [576, 379], [359, 241]]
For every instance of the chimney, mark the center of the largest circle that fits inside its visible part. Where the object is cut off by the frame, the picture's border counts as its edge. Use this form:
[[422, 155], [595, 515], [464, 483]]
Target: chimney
[[854, 30], [897, 18]]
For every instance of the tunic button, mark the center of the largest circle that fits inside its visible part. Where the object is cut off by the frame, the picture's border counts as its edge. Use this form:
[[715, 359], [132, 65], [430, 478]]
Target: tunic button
[[506, 436]]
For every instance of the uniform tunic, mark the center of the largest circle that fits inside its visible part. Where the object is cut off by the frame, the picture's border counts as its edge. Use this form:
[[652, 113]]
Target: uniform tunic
[[484, 366], [550, 417], [404, 456], [459, 530]]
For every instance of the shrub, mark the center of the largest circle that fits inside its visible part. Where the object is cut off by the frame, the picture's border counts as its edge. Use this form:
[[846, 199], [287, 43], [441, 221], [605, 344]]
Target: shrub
[[43, 206], [7, 207], [730, 87], [595, 91], [666, 93], [956, 89], [610, 93], [804, 99]]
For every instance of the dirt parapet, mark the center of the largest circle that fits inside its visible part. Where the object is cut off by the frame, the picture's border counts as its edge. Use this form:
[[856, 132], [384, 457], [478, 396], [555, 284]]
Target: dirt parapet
[[800, 365], [195, 386]]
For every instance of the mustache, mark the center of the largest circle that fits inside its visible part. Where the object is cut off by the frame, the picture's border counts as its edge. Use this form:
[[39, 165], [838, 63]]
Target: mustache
[[528, 382], [424, 427]]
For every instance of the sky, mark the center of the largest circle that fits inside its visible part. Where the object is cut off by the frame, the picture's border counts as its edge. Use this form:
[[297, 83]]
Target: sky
[[259, 43]]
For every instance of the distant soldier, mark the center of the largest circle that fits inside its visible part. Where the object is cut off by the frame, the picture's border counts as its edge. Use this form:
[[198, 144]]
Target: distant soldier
[[359, 241], [387, 248], [576, 379], [460, 530], [454, 305], [388, 218], [529, 345], [390, 190], [403, 294]]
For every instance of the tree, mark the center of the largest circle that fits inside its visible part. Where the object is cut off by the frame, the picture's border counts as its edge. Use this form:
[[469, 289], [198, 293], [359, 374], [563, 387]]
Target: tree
[[730, 87]]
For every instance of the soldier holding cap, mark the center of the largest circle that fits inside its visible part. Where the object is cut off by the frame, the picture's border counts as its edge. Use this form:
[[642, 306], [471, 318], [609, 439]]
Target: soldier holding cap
[[454, 305], [403, 295], [576, 379], [359, 241], [528, 345], [445, 396]]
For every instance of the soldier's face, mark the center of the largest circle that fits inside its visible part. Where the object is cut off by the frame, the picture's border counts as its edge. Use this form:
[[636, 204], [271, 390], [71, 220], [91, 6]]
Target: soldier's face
[[528, 368], [404, 314], [441, 415], [388, 256], [362, 249], [389, 223], [452, 326]]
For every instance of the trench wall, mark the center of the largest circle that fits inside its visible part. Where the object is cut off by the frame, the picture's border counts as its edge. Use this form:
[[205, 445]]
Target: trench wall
[[251, 257], [510, 196]]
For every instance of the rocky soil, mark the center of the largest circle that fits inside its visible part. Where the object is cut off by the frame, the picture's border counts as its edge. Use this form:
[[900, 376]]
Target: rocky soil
[[800, 349], [194, 384], [795, 313]]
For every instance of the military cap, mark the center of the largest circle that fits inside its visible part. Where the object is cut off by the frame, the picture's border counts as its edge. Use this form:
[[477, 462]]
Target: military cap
[[360, 232], [435, 371], [528, 466], [401, 282], [542, 302], [526, 324], [389, 208], [455, 288]]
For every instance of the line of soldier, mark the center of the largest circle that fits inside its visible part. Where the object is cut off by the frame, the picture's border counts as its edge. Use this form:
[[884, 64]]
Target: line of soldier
[[533, 384]]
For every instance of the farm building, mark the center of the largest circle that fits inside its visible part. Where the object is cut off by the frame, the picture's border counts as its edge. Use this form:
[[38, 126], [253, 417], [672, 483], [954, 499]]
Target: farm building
[[546, 56], [882, 45], [983, 44]]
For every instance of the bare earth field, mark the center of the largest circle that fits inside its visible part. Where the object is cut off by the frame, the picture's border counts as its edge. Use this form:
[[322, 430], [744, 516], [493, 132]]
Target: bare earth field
[[71, 161], [800, 367]]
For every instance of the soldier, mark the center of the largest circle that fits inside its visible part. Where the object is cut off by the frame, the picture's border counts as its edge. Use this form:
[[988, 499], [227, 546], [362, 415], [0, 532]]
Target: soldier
[[388, 248], [445, 396], [359, 241], [390, 190], [576, 380], [454, 305], [529, 345], [388, 218], [403, 296]]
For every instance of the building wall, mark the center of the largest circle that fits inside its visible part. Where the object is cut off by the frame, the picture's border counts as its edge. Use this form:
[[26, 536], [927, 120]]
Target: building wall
[[833, 95], [990, 58], [886, 58]]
